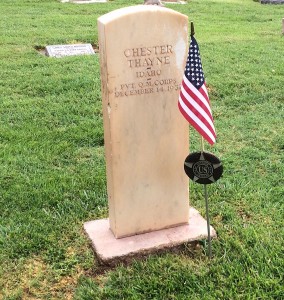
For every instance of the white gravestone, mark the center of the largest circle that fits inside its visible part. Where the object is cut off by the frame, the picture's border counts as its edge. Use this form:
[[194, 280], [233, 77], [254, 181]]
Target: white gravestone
[[84, 1], [143, 52], [88, 1], [69, 50]]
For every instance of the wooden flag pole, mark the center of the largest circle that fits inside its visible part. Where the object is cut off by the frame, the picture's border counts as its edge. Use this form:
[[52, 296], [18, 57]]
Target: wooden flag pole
[[207, 209]]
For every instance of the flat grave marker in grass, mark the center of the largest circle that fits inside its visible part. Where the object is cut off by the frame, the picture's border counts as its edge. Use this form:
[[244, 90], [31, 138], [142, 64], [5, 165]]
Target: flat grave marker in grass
[[174, 2], [161, 3], [69, 50], [143, 51], [84, 1], [272, 1]]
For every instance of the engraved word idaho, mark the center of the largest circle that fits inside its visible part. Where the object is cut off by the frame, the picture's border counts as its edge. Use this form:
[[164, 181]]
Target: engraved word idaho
[[147, 65]]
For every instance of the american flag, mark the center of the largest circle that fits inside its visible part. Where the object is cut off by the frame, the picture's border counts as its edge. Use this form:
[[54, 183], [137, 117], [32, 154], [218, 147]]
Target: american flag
[[193, 101]]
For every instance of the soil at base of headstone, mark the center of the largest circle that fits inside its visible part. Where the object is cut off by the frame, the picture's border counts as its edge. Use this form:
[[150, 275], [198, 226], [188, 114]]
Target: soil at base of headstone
[[190, 249]]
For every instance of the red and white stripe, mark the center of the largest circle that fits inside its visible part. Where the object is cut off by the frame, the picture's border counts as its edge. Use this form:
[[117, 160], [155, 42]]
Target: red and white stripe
[[195, 106]]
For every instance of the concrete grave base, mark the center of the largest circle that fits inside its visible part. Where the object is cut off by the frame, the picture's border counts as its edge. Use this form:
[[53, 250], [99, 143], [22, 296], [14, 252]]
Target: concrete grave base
[[110, 250]]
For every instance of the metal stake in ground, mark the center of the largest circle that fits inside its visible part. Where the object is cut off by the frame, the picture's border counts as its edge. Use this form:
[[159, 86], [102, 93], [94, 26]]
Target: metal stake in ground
[[204, 168], [207, 208], [208, 221]]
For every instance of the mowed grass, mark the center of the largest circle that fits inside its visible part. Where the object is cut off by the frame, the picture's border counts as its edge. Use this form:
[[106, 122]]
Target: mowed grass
[[52, 168]]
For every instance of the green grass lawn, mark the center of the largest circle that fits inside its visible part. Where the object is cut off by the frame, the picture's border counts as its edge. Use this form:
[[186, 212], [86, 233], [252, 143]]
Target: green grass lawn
[[52, 168]]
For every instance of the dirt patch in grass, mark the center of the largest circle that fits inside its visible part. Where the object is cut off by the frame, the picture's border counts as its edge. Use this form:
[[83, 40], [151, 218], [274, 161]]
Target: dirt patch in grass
[[35, 279]]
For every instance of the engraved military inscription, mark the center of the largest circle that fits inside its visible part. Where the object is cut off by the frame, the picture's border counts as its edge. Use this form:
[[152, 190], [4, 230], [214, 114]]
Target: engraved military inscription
[[147, 65]]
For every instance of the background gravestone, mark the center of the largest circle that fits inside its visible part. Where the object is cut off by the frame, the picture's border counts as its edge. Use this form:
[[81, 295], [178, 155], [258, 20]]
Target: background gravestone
[[143, 51], [69, 50], [272, 1], [84, 1]]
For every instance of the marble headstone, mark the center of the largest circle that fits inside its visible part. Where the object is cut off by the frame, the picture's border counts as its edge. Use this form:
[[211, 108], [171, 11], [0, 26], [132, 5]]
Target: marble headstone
[[143, 51]]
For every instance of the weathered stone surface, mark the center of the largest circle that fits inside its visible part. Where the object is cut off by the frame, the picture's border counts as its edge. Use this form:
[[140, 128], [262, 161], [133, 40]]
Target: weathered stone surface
[[143, 51], [69, 50], [272, 1], [110, 250]]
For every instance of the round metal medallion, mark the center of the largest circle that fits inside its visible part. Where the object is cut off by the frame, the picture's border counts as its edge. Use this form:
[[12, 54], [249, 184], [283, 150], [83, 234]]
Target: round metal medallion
[[203, 167]]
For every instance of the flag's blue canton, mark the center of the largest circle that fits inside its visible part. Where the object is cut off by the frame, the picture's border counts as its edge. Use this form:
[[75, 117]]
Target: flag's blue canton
[[193, 69]]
